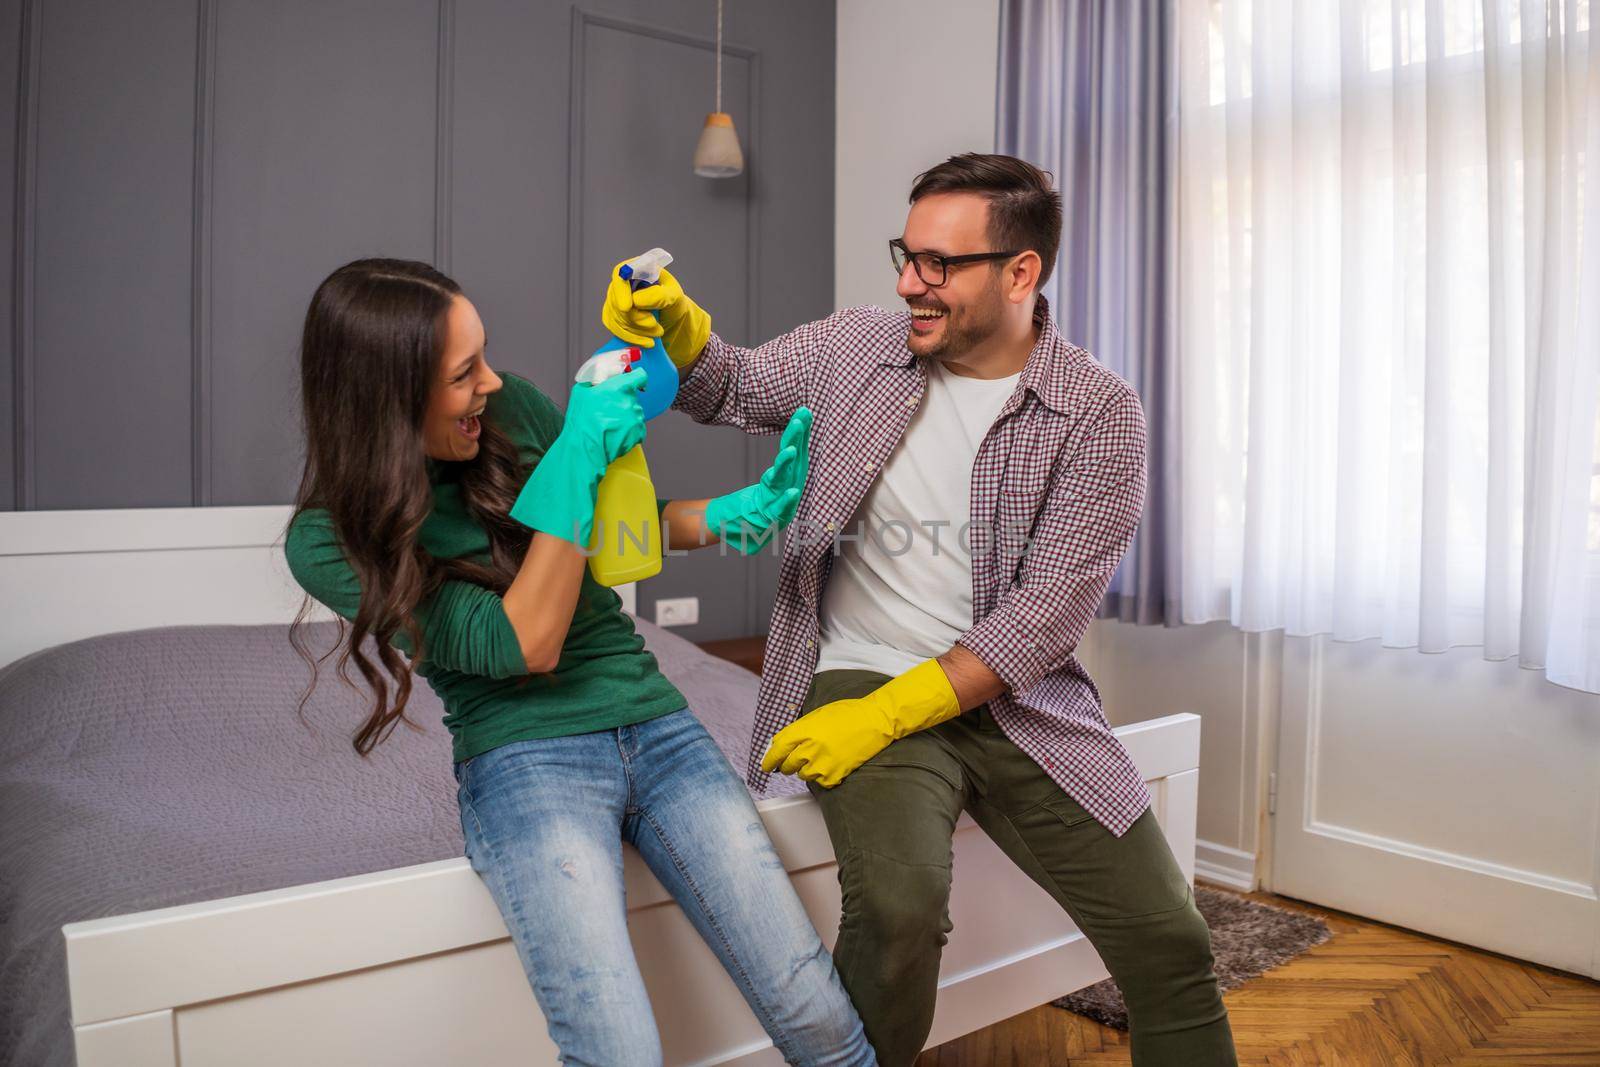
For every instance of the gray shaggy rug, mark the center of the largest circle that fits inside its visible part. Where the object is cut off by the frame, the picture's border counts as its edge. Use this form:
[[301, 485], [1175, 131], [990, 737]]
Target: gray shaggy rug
[[1247, 939]]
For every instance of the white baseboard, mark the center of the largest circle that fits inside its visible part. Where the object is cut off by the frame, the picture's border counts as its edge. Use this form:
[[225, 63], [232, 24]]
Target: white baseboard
[[1225, 866]]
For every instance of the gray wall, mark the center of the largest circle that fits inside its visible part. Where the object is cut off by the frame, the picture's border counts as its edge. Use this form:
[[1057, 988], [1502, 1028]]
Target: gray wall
[[185, 171]]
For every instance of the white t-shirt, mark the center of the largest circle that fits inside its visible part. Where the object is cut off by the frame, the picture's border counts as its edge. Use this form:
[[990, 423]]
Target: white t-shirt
[[902, 592]]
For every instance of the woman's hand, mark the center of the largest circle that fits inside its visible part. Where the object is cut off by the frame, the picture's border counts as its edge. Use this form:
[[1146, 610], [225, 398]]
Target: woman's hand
[[749, 518], [606, 419], [602, 423]]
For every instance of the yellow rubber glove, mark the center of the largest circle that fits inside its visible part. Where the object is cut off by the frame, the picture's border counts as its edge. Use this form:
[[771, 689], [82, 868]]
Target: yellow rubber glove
[[684, 327], [829, 743]]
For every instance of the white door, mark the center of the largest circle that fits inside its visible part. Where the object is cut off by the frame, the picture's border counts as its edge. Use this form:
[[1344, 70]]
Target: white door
[[1443, 793]]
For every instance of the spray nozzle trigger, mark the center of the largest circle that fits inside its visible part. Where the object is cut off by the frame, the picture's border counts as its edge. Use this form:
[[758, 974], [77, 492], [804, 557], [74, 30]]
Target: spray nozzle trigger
[[608, 364], [645, 270]]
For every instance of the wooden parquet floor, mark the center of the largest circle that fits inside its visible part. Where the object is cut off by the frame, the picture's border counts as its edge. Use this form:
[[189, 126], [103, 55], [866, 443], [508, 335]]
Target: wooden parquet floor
[[1372, 996]]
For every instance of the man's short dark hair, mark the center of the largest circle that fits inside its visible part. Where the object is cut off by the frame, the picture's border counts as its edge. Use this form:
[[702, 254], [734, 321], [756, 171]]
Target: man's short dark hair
[[1024, 208]]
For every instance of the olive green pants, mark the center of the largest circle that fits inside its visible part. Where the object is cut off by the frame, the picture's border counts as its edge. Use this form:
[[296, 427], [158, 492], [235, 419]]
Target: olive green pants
[[892, 822]]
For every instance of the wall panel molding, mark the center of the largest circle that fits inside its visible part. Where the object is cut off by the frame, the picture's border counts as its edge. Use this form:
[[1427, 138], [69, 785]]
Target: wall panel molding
[[109, 342], [325, 149], [750, 134], [24, 246], [205, 113], [582, 20], [444, 138], [752, 602]]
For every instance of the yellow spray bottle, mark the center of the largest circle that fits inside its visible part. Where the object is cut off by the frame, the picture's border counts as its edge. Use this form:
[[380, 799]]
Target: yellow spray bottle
[[627, 543]]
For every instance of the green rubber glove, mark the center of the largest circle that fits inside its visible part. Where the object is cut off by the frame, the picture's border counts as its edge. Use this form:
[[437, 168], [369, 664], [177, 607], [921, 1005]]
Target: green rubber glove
[[683, 327], [603, 421], [752, 516]]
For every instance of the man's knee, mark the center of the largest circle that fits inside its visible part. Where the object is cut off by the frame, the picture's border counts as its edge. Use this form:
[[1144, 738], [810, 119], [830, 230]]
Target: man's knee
[[1164, 965], [895, 903], [1183, 938], [1174, 1002]]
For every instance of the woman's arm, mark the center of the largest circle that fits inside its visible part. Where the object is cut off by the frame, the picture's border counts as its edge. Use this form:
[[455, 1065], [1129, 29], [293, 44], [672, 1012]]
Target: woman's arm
[[542, 597], [683, 525], [603, 421], [464, 627]]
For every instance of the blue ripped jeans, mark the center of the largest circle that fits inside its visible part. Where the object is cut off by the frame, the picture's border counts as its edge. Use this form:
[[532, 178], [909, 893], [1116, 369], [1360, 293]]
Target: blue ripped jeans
[[545, 821]]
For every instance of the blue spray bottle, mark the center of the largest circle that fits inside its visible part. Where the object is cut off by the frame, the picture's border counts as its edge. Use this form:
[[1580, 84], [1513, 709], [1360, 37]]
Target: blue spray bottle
[[627, 543]]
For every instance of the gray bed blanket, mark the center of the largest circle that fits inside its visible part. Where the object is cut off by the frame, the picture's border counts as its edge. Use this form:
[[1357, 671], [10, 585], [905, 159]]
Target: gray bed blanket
[[161, 767]]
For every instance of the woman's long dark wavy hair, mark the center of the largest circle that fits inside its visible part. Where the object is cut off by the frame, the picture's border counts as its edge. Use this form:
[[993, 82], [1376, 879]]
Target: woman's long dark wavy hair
[[369, 355]]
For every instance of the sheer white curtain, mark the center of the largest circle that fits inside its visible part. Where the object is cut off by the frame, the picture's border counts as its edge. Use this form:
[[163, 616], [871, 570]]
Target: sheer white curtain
[[1389, 322]]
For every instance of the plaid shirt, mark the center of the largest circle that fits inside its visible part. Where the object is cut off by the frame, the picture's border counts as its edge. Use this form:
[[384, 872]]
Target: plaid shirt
[[1057, 487]]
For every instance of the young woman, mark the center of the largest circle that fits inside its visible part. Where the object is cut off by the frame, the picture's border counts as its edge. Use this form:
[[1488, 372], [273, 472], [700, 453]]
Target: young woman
[[419, 522]]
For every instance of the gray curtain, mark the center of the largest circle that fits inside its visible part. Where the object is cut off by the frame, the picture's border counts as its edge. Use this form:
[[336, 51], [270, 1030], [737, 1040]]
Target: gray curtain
[[1088, 91]]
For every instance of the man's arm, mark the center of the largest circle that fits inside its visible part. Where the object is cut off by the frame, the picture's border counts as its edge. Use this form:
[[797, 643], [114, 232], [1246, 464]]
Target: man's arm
[[974, 683], [755, 389], [1092, 511]]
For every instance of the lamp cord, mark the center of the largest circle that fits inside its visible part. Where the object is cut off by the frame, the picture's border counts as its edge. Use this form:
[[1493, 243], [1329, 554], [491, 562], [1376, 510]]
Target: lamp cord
[[719, 56]]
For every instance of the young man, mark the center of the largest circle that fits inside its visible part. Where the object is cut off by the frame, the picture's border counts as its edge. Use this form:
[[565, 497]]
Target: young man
[[974, 481]]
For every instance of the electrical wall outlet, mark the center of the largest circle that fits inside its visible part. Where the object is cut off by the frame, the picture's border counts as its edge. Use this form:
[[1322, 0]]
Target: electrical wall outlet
[[678, 611]]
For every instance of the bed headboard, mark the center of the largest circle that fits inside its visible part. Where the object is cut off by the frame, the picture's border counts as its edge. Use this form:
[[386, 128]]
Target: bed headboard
[[66, 575]]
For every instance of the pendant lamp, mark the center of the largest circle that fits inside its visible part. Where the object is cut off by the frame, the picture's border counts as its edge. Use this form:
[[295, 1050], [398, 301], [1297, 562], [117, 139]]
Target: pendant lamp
[[718, 155]]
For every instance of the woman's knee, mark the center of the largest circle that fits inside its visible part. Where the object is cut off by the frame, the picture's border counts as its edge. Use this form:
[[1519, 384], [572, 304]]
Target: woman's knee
[[599, 1035], [813, 1020]]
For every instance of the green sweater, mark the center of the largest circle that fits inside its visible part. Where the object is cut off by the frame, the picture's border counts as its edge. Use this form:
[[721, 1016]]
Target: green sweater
[[604, 678]]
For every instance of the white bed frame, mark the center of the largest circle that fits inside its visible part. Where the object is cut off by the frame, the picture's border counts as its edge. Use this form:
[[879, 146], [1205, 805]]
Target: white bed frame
[[413, 966]]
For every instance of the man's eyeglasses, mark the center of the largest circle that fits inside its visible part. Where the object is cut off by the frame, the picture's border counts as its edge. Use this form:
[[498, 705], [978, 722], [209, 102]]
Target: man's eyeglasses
[[932, 268]]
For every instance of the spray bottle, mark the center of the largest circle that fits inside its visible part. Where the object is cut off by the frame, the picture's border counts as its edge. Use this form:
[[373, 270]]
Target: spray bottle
[[627, 529]]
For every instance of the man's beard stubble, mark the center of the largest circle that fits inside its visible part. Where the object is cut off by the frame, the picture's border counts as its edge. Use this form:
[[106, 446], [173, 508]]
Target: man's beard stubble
[[960, 338]]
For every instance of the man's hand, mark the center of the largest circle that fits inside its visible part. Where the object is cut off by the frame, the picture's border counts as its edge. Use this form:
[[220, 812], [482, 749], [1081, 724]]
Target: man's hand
[[832, 741], [683, 326]]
